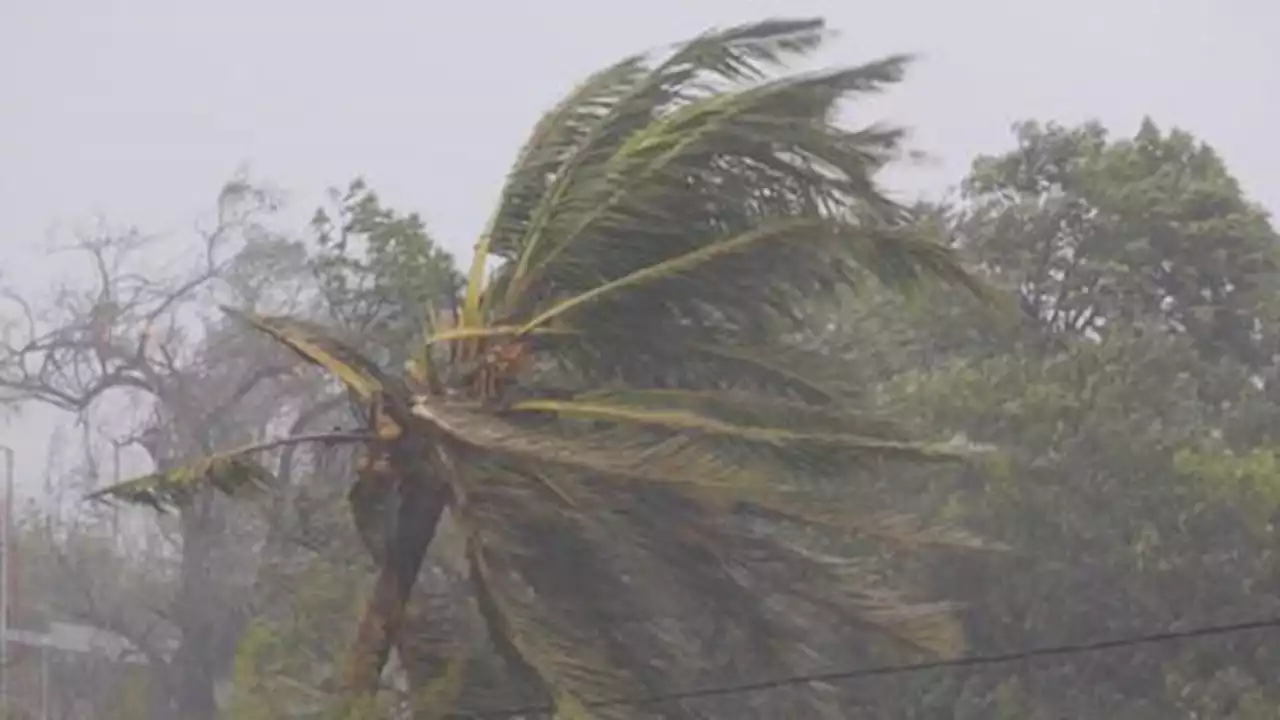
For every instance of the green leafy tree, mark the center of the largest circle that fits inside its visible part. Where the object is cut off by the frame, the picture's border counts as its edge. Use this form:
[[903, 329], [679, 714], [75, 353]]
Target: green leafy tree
[[1151, 230], [380, 273], [1134, 410], [132, 338], [615, 422]]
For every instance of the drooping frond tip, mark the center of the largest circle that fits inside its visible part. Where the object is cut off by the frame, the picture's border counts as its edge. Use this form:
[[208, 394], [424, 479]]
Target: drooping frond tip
[[317, 346], [232, 473]]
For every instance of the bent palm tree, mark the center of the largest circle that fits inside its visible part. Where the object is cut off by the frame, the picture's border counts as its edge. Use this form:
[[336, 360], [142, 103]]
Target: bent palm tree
[[613, 417]]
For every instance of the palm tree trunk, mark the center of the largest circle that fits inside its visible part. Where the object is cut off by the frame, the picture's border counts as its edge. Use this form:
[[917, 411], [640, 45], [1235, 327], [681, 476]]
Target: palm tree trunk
[[433, 633], [420, 506]]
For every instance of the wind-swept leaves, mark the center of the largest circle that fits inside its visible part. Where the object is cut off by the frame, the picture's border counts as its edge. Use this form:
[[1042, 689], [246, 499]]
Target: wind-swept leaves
[[563, 162], [233, 474], [662, 230], [564, 664], [820, 510], [620, 418], [683, 419], [692, 204]]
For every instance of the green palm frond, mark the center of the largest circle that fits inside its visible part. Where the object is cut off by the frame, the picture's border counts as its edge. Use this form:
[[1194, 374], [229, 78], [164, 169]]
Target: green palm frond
[[752, 419], [775, 589], [232, 473], [672, 581], [757, 410], [667, 520], [695, 203], [777, 371], [569, 665], [610, 454], [566, 605], [554, 140], [671, 446], [570, 147], [677, 146], [808, 509], [489, 333], [719, 153], [842, 589]]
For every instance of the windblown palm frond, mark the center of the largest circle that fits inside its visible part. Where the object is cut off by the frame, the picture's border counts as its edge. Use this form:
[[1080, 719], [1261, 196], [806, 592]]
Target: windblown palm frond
[[621, 422], [232, 473]]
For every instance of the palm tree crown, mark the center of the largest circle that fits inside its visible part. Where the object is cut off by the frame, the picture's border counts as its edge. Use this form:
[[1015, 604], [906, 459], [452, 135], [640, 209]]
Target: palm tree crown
[[614, 415]]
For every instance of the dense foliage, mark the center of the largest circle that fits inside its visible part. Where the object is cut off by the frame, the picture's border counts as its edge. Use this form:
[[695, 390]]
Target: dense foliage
[[1134, 398]]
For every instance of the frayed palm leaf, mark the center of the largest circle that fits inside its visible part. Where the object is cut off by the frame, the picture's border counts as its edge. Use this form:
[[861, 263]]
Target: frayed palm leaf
[[232, 473]]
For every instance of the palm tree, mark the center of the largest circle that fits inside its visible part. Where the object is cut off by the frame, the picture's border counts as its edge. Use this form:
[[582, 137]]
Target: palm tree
[[613, 416]]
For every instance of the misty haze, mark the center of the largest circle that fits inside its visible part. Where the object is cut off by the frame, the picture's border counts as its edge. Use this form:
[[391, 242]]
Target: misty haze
[[703, 360]]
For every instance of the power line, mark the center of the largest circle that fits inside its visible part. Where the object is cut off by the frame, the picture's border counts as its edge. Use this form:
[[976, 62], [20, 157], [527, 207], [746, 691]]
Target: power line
[[902, 669]]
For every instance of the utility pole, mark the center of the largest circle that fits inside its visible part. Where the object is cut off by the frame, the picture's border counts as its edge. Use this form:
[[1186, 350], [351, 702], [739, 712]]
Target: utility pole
[[4, 580], [115, 507], [44, 677]]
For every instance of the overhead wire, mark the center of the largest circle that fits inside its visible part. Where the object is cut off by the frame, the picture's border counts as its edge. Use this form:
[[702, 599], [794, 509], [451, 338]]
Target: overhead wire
[[830, 676]]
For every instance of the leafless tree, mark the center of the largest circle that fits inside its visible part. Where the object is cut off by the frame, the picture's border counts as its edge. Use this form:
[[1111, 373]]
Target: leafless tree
[[150, 343]]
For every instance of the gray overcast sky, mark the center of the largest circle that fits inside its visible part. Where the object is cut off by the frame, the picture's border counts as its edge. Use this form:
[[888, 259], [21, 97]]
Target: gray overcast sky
[[140, 109]]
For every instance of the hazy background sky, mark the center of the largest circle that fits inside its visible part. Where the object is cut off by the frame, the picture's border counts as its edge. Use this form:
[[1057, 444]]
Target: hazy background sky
[[139, 110]]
